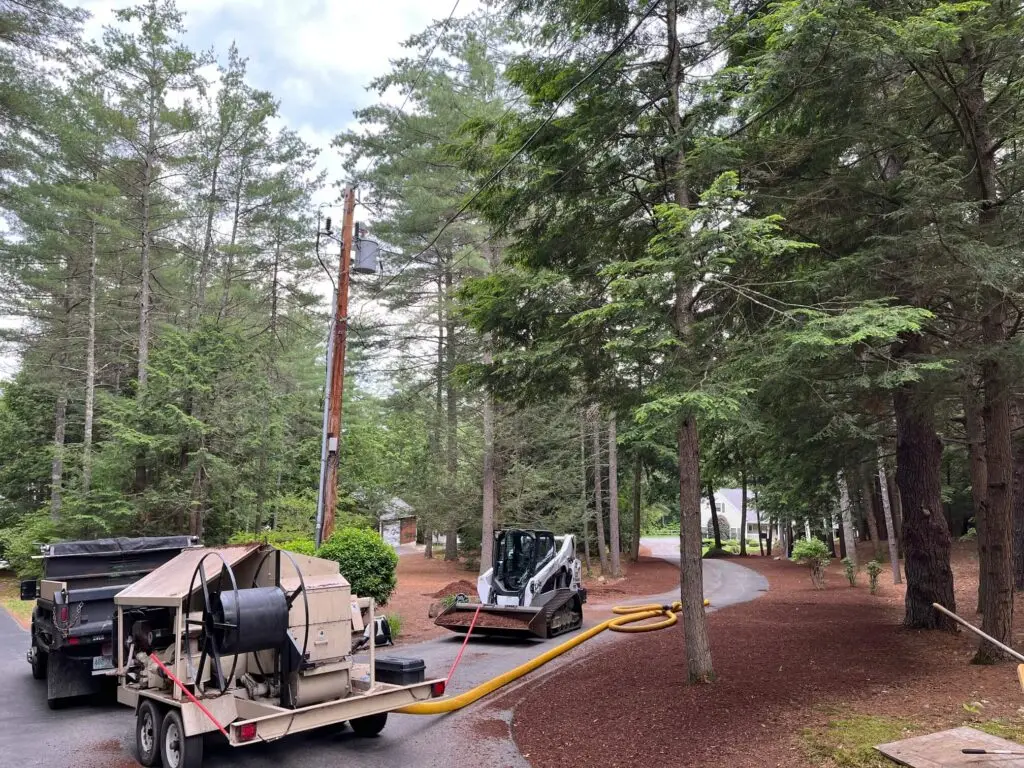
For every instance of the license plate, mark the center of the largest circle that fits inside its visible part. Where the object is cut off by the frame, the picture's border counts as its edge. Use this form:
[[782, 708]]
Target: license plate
[[102, 662]]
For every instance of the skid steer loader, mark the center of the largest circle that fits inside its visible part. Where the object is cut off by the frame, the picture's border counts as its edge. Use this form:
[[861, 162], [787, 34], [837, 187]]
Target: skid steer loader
[[534, 588]]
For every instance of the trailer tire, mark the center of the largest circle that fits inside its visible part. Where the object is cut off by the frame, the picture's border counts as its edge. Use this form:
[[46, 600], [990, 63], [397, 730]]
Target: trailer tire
[[39, 659], [176, 749], [370, 725], [148, 724]]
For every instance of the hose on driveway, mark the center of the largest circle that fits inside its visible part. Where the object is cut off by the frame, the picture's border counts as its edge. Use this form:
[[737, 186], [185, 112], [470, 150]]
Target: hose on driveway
[[626, 620]]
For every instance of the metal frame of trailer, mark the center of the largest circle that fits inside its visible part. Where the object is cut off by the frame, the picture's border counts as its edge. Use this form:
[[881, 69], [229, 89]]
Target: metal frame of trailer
[[241, 720]]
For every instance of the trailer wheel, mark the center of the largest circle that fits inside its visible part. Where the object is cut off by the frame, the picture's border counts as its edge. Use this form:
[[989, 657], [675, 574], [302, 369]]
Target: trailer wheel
[[148, 721], [370, 725], [39, 659], [177, 749]]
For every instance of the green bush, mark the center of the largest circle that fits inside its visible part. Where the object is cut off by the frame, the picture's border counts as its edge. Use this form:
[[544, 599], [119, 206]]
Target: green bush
[[874, 568], [971, 535], [850, 570], [299, 546], [20, 543], [815, 555], [395, 622], [365, 559]]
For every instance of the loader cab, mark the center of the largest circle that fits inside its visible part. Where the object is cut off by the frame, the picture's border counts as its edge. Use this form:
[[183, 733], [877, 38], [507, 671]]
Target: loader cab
[[518, 555]]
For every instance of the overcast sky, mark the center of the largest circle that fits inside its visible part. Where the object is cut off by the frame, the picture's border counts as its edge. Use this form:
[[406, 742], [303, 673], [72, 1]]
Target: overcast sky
[[315, 56]]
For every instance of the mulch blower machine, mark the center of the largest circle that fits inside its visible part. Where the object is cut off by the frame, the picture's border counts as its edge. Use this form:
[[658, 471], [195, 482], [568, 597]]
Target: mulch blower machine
[[534, 588]]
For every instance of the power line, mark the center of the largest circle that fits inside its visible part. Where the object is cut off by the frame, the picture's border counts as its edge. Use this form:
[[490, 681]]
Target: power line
[[525, 145]]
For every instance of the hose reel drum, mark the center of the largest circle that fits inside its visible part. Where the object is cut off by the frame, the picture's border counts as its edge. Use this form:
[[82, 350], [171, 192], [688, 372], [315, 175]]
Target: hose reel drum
[[249, 620]]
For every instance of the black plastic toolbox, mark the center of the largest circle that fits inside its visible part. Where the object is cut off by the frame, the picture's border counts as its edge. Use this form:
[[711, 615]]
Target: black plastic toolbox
[[399, 670]]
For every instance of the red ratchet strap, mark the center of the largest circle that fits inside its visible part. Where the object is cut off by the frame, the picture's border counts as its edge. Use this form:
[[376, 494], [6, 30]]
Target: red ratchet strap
[[187, 692], [463, 648]]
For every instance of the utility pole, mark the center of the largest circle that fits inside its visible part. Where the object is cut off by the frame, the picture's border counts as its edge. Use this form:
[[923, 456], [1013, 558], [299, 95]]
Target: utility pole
[[329, 479]]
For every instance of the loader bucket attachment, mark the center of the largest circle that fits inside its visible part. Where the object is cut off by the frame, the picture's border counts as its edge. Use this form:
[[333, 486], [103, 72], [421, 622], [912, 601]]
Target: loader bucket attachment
[[495, 620]]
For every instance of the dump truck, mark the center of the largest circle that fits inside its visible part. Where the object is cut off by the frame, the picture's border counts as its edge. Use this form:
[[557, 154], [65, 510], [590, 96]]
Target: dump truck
[[72, 636]]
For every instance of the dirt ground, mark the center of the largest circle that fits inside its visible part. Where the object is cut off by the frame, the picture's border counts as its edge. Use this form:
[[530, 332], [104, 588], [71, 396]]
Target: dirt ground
[[793, 659], [420, 580]]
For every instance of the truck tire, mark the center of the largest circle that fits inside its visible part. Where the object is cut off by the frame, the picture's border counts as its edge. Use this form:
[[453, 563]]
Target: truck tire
[[176, 749], [39, 659], [370, 725], [148, 722]]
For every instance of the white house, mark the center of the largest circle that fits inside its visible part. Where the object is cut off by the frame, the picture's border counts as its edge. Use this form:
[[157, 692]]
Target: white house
[[729, 507]]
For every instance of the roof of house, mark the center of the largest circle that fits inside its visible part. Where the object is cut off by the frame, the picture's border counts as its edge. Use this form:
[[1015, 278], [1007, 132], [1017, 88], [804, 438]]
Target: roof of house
[[735, 497], [395, 508]]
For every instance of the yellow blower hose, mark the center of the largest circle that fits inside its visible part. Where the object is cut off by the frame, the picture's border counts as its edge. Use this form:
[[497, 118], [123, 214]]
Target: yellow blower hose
[[627, 615]]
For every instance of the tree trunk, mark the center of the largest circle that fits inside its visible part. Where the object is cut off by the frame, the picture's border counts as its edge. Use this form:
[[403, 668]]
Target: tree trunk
[[57, 467], [638, 472], [842, 537], [897, 511], [715, 524], [211, 208], [438, 426], [743, 514], [695, 629], [760, 539], [613, 498], [229, 263], [595, 436], [90, 368], [1018, 510], [844, 507], [768, 541], [451, 539], [997, 609], [698, 646], [830, 537], [926, 542], [975, 428], [869, 513], [890, 528], [487, 527], [583, 490]]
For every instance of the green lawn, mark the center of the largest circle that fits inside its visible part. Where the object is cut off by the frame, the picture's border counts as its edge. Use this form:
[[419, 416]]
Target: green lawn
[[20, 609]]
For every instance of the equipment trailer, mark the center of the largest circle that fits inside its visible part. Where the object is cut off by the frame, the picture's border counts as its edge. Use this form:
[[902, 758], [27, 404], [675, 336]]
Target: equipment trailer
[[260, 646]]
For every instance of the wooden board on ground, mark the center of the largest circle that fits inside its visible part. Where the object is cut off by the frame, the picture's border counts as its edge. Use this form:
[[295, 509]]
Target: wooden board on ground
[[943, 750]]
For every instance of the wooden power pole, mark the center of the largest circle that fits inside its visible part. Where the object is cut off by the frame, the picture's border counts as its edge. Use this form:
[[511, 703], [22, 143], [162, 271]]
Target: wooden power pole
[[337, 376]]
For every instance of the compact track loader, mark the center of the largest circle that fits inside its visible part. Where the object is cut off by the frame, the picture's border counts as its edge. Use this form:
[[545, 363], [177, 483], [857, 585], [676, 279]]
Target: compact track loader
[[534, 588]]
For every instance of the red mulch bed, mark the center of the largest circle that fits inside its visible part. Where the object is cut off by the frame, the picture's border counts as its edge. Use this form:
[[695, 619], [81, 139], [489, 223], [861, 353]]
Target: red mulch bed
[[423, 581], [783, 661]]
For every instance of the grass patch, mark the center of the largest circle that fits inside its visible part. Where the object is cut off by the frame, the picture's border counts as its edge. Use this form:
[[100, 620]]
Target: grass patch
[[21, 610], [10, 601], [850, 742], [1014, 731], [395, 622]]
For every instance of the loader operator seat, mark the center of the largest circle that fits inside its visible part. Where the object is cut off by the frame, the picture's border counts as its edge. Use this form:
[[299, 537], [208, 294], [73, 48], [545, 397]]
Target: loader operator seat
[[518, 555]]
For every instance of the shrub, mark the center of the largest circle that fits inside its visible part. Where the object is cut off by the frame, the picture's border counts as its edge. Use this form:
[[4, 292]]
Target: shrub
[[971, 535], [299, 546], [20, 543], [814, 554], [874, 568], [365, 559], [850, 570], [395, 622]]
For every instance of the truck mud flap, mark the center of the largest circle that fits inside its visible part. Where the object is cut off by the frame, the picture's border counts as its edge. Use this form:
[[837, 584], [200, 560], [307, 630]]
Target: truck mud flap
[[66, 677]]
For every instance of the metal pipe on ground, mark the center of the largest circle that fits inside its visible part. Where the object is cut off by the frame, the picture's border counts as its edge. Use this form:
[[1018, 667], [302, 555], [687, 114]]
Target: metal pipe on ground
[[1005, 648]]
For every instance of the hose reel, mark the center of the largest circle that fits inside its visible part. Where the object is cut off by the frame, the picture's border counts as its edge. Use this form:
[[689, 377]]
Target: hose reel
[[236, 621]]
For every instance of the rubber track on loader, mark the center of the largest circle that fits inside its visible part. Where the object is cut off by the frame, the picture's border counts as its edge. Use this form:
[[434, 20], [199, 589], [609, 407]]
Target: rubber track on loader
[[555, 601]]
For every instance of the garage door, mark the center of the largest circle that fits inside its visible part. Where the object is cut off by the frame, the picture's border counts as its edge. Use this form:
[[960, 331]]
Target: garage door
[[391, 531]]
